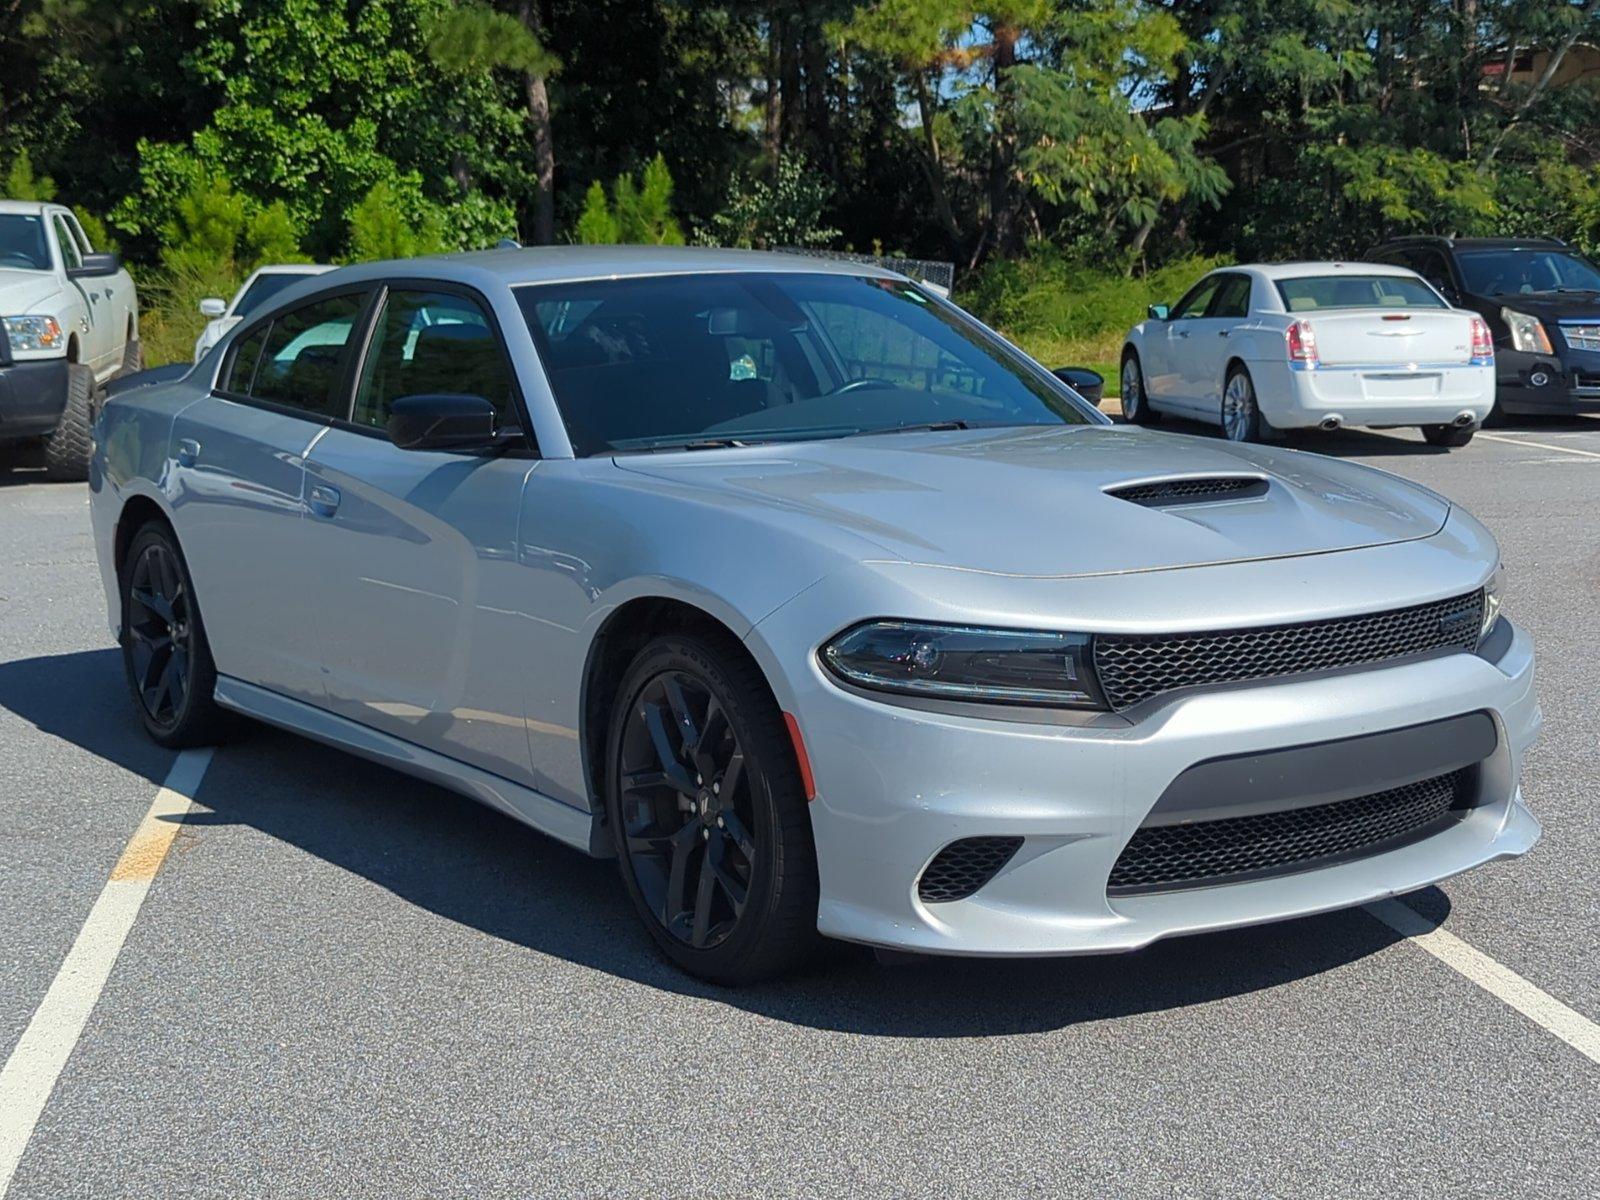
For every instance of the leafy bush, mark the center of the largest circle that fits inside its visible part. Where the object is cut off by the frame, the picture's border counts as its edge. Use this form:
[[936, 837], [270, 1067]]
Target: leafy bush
[[391, 223], [1067, 313], [765, 216]]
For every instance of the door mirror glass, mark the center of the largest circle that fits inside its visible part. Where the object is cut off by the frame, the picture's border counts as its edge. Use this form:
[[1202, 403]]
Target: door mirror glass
[[1157, 312], [442, 421], [95, 265], [213, 306]]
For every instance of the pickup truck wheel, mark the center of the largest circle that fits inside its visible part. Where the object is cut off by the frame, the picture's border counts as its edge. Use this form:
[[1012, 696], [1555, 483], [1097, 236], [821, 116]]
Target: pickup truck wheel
[[1448, 435], [132, 358], [165, 653], [66, 451]]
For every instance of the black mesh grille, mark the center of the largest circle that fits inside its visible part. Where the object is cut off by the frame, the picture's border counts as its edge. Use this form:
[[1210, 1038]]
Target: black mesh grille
[[1134, 667], [963, 867], [1169, 857], [1177, 491]]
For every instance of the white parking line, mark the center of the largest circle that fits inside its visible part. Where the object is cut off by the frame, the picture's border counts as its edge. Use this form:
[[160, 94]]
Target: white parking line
[[1539, 1006], [30, 1074], [1517, 441]]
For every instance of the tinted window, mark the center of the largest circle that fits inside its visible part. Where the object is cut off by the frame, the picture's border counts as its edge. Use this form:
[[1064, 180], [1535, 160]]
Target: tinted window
[[1195, 302], [22, 242], [431, 342], [263, 289], [639, 363], [69, 248], [303, 362], [1511, 272], [246, 354], [1232, 297], [1356, 291]]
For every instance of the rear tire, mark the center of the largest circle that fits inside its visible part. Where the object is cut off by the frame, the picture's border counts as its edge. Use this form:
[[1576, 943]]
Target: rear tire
[[132, 358], [1135, 401], [1241, 415], [66, 451], [708, 812], [165, 654], [1448, 435]]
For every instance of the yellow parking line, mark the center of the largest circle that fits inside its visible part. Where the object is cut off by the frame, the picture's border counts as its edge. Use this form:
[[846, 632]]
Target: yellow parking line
[[30, 1073]]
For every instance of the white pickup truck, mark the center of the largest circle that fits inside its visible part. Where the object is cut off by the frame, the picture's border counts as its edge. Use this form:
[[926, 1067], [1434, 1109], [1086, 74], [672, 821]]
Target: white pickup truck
[[69, 324]]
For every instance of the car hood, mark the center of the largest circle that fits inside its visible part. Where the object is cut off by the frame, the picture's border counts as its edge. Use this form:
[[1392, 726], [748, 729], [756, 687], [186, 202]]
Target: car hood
[[23, 291], [1552, 306], [1035, 502]]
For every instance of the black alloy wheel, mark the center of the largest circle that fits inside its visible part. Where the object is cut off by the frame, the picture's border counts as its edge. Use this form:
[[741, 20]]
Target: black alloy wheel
[[165, 653], [708, 814]]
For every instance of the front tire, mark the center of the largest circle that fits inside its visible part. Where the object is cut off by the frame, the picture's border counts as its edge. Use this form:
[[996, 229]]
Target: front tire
[[66, 451], [708, 813], [1450, 436], [1135, 401], [165, 654], [1241, 414]]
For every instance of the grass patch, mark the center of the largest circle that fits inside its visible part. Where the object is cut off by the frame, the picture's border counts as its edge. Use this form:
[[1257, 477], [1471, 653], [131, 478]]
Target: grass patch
[[169, 317], [1069, 314]]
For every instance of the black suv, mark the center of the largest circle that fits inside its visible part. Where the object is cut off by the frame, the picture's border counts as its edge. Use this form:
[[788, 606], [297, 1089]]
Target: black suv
[[1542, 301]]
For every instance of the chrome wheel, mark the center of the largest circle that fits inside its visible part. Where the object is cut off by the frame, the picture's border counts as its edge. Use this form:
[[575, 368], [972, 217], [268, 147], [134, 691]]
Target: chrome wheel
[[1239, 409], [160, 633], [1132, 394], [686, 809]]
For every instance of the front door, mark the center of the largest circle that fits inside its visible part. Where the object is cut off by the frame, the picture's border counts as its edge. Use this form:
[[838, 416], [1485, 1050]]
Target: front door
[[1172, 384], [413, 553], [237, 477]]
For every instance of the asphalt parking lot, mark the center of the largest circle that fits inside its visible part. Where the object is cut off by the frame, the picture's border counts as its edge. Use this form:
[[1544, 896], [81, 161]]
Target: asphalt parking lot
[[344, 982]]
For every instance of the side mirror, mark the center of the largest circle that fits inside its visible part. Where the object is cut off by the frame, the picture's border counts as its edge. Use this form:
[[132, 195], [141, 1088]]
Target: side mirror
[[1157, 312], [94, 266], [1091, 385], [213, 307], [445, 421]]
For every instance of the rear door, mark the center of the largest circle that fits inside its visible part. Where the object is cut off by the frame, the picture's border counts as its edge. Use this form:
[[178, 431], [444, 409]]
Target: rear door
[[238, 470], [411, 555]]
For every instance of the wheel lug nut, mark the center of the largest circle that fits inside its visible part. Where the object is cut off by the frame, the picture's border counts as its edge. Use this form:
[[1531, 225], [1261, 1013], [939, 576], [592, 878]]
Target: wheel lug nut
[[705, 835], [721, 824], [699, 780], [716, 788]]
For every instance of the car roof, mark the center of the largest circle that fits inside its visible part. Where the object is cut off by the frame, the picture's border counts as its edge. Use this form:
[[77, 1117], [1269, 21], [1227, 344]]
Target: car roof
[[1301, 270], [1475, 243], [293, 269], [30, 208], [561, 264]]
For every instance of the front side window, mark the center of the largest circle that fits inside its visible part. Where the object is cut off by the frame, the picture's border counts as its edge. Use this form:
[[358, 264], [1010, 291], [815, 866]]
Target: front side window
[[1198, 299], [22, 242], [1232, 297], [1514, 272], [1316, 292], [305, 355], [428, 343], [640, 364]]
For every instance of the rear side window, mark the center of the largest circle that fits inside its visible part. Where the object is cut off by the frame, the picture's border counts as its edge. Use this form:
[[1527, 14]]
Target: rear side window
[[246, 354], [305, 355], [1318, 292], [428, 343], [1197, 299]]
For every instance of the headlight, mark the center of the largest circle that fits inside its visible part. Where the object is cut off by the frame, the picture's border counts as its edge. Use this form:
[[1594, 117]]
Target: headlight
[[33, 333], [1491, 603], [960, 662], [1527, 333]]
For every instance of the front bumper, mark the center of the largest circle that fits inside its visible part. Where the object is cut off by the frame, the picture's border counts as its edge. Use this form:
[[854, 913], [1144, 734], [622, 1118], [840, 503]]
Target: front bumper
[[32, 395], [1546, 385], [895, 785]]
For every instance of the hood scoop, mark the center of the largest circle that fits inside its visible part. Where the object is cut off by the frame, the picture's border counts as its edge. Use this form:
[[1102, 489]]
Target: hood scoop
[[1166, 493]]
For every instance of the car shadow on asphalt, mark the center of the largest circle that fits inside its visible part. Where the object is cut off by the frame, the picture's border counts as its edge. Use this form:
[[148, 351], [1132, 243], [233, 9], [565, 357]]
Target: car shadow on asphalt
[[1355, 442], [471, 865]]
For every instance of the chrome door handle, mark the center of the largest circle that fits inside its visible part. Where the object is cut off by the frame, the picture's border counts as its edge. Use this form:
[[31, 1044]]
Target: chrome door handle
[[1223, 332], [188, 452], [323, 500], [1183, 333]]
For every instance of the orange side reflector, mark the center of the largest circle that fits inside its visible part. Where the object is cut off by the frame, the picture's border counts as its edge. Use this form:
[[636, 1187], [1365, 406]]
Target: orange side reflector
[[807, 780]]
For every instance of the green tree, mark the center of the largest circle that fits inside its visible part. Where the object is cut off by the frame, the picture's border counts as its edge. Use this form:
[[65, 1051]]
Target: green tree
[[23, 184], [394, 223], [637, 213], [786, 212]]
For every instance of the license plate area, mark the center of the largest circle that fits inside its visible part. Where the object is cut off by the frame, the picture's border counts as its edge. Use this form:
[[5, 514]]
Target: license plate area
[[1401, 385]]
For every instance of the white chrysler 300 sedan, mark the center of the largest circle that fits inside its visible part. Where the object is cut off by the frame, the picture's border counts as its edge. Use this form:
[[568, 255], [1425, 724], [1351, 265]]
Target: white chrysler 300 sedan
[[814, 603], [1257, 349]]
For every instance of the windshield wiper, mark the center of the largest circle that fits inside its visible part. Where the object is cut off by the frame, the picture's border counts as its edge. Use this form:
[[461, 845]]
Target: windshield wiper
[[922, 427]]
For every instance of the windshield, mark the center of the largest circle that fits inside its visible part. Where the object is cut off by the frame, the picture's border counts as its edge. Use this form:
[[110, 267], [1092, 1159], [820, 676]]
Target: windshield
[[1357, 291], [264, 289], [714, 360], [22, 242], [1510, 272]]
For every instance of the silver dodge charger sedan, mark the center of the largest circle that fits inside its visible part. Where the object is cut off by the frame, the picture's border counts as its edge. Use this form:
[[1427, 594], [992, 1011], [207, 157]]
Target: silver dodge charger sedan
[[815, 603]]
